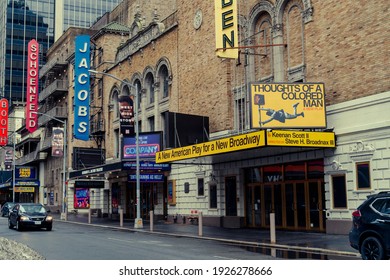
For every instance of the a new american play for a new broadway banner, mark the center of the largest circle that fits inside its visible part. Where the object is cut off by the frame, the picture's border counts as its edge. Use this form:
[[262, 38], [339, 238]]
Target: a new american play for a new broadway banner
[[288, 105]]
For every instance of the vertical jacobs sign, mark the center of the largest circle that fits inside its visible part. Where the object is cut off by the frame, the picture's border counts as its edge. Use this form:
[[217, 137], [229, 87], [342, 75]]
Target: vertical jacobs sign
[[226, 30], [81, 87], [32, 86]]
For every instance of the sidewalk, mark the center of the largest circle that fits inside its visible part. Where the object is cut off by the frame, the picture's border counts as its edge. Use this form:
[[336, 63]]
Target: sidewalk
[[308, 242]]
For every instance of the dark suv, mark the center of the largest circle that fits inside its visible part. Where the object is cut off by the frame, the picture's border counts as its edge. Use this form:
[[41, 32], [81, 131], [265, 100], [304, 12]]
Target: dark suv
[[370, 233]]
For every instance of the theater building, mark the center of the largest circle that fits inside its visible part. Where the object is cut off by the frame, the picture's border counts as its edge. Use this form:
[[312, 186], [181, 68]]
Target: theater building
[[249, 109]]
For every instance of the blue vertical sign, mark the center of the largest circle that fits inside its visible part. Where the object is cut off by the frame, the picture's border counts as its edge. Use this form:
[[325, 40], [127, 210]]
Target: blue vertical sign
[[81, 87]]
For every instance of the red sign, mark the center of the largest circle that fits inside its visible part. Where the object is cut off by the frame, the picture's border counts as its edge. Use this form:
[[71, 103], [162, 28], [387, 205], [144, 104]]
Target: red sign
[[32, 86], [3, 122]]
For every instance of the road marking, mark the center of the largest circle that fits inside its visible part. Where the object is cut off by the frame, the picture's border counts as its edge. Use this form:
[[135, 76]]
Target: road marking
[[157, 243], [224, 258]]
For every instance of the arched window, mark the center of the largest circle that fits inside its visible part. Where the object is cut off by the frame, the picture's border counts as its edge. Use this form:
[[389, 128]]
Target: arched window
[[164, 81], [149, 86]]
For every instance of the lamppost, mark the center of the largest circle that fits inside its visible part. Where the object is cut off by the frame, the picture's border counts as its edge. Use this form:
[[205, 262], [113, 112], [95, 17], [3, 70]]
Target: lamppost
[[64, 202], [138, 220]]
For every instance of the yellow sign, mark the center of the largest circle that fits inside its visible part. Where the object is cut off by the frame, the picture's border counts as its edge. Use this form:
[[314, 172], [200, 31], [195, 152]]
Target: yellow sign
[[24, 189], [295, 105], [226, 30], [224, 145], [301, 138]]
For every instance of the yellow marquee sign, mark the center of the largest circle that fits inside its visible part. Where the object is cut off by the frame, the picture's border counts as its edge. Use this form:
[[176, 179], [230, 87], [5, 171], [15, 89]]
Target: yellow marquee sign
[[301, 139], [294, 105], [24, 189], [224, 145]]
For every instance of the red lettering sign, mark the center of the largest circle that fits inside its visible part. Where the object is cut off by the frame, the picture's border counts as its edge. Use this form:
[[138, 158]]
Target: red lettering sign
[[32, 86], [3, 122]]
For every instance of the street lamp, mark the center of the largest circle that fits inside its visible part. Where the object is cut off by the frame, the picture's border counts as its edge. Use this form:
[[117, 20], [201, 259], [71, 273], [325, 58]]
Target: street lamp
[[138, 220], [64, 202]]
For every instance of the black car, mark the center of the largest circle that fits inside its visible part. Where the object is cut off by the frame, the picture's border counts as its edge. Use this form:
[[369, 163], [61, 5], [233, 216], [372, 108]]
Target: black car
[[29, 215], [370, 233], [5, 208]]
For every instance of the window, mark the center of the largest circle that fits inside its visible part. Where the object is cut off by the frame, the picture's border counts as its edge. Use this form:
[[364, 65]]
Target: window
[[213, 195], [100, 56], [151, 124], [100, 88], [363, 175], [240, 114], [339, 191], [200, 187]]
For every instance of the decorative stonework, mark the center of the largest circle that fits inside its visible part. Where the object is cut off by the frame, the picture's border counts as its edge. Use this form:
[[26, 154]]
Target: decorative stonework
[[296, 73], [336, 165], [198, 18], [361, 151], [308, 15]]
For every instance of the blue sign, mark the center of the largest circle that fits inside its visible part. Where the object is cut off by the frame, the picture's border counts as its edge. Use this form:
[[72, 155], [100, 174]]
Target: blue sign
[[25, 173], [147, 178], [130, 165], [149, 144], [81, 87]]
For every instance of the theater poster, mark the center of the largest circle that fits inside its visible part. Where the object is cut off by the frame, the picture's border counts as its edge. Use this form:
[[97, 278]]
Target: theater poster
[[81, 198]]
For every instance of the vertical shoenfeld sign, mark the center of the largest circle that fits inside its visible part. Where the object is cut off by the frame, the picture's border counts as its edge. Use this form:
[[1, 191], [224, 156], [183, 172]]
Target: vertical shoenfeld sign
[[3, 122], [32, 86], [81, 87]]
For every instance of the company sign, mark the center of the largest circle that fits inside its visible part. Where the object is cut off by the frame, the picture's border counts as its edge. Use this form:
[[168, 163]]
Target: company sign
[[3, 122], [295, 105], [301, 139], [224, 145], [82, 87], [226, 30], [149, 144], [32, 86]]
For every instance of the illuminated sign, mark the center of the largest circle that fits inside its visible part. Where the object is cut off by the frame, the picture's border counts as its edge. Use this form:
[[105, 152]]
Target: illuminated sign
[[224, 145], [24, 189], [149, 144], [226, 30], [301, 139], [25, 173], [147, 177], [32, 86], [82, 87], [294, 105], [3, 122]]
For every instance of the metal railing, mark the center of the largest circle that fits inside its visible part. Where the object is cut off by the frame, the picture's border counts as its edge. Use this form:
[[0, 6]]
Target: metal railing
[[57, 85], [57, 112]]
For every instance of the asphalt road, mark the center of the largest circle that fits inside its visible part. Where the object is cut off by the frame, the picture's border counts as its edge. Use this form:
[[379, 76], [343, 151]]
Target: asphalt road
[[79, 242]]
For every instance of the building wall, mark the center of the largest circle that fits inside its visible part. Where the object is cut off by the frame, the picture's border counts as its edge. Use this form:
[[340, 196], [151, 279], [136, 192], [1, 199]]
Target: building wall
[[362, 136], [338, 43]]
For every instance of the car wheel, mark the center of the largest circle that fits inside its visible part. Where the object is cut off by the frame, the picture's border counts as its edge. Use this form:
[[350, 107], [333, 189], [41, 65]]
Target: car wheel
[[372, 249], [49, 228], [18, 226], [10, 224]]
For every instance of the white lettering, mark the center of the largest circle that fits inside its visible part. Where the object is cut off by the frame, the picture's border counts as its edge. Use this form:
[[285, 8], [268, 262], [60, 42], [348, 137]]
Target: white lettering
[[82, 111]]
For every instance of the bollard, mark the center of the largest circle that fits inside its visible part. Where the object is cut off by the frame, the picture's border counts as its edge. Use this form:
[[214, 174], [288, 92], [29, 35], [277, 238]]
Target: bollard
[[272, 227], [151, 217], [121, 217], [89, 215], [200, 223]]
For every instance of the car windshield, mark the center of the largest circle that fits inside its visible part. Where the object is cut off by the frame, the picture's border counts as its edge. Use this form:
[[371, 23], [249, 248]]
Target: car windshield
[[31, 209]]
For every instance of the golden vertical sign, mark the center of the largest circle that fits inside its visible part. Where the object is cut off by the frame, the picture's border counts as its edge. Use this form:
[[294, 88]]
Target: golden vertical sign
[[226, 30]]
